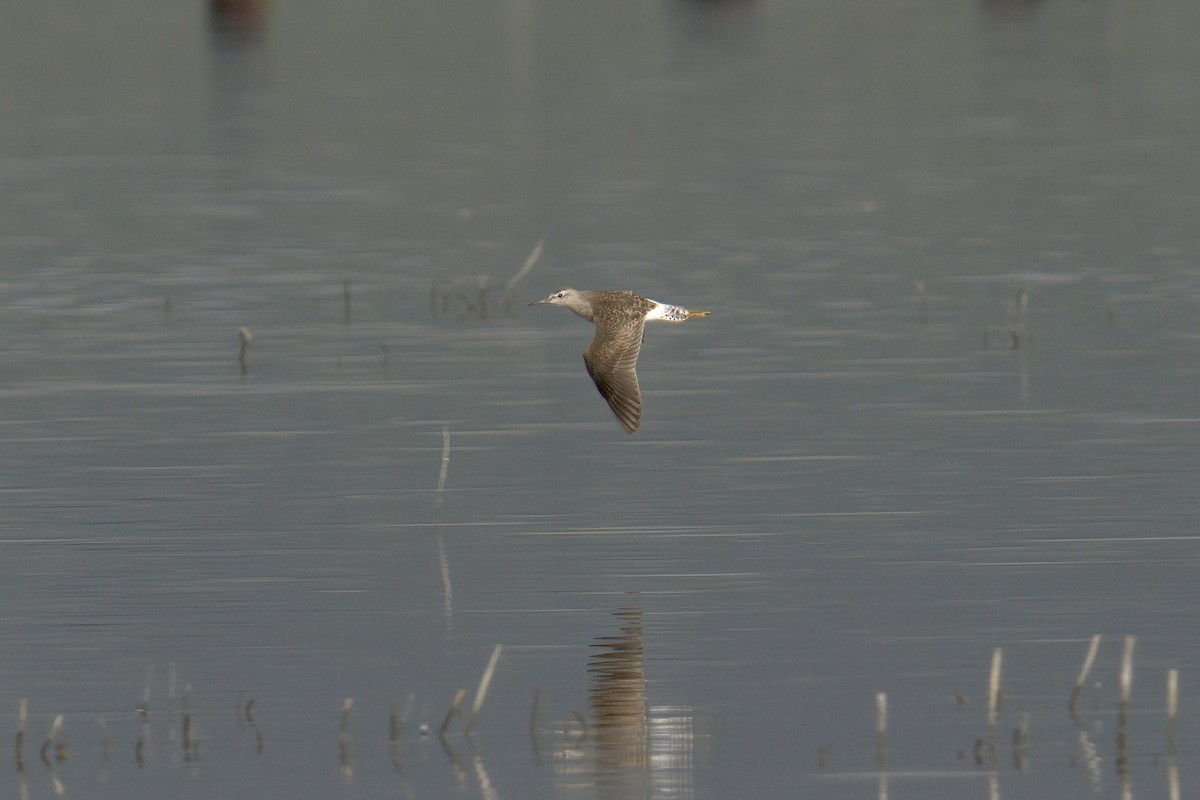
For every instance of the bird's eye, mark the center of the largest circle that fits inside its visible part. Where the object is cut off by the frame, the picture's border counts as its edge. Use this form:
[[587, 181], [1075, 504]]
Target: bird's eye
[[561, 294]]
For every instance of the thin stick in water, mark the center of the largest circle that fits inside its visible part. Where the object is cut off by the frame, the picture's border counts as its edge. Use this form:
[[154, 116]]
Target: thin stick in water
[[189, 732], [51, 735], [244, 340], [1021, 743], [447, 585], [1088, 660], [994, 692], [881, 744], [994, 696], [1172, 711], [484, 682], [455, 708], [1127, 671], [1126, 688], [881, 711], [344, 764], [528, 265], [445, 465], [19, 748]]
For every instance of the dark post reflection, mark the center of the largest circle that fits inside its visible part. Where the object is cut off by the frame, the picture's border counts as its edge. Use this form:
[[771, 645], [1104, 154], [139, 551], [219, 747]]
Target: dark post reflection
[[237, 17]]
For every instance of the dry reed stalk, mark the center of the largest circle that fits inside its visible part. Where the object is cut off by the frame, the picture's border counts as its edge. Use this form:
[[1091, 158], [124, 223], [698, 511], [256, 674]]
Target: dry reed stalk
[[484, 682]]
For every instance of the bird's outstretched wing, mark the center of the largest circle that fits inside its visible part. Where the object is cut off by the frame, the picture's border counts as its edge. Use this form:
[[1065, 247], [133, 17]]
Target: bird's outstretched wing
[[611, 360]]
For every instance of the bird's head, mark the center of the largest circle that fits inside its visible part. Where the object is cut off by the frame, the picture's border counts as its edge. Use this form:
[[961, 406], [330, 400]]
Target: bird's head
[[563, 297]]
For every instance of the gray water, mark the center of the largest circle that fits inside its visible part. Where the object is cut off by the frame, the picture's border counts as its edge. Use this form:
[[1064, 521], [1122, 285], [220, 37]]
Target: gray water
[[946, 401]]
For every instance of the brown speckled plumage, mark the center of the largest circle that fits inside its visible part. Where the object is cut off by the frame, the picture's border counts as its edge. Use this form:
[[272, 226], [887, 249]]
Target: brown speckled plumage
[[611, 358]]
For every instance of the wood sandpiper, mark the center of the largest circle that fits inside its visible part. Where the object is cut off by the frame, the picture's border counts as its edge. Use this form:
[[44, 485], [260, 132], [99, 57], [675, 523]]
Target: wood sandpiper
[[611, 358]]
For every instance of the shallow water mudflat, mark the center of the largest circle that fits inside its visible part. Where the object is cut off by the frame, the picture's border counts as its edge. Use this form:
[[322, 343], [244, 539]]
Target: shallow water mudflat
[[286, 455]]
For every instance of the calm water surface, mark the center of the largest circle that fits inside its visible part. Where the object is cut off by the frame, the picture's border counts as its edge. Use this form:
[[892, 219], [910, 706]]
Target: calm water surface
[[946, 403]]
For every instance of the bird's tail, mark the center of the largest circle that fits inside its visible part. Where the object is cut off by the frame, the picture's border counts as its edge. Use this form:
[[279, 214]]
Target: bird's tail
[[672, 313], [695, 312]]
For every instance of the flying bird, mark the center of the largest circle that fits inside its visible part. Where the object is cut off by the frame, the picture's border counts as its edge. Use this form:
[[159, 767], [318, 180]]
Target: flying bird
[[611, 358]]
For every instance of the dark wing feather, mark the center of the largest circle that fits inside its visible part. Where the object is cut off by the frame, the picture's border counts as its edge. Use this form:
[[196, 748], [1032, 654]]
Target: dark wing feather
[[611, 360]]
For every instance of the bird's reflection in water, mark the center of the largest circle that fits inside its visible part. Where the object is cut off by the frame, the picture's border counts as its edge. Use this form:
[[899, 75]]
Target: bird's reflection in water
[[626, 748], [618, 699]]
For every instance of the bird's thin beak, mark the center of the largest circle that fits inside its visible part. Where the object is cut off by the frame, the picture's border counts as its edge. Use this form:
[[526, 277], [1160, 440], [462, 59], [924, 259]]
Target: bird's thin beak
[[537, 302]]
